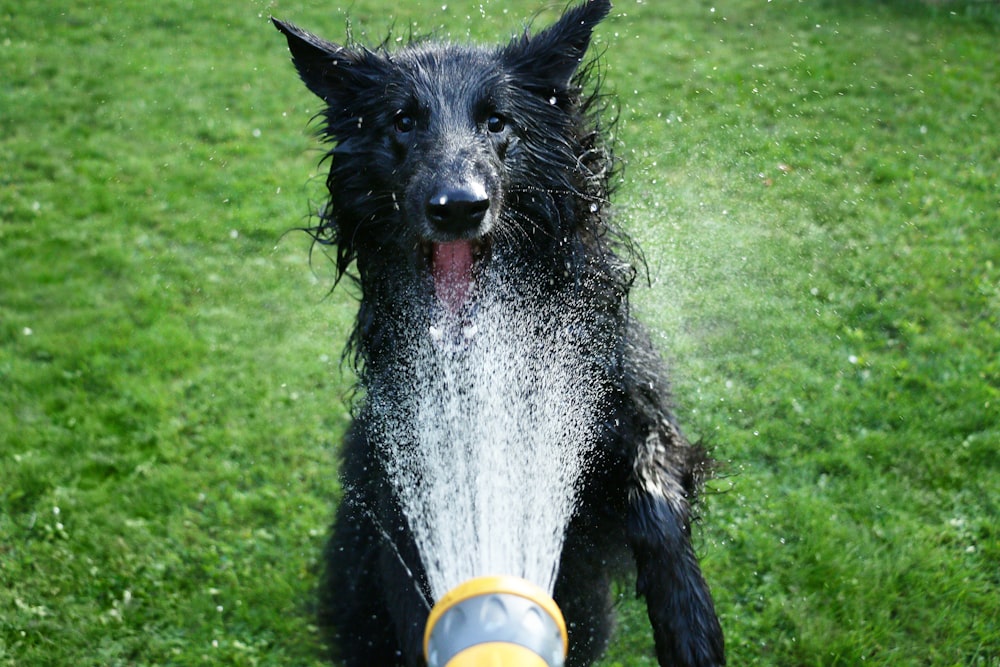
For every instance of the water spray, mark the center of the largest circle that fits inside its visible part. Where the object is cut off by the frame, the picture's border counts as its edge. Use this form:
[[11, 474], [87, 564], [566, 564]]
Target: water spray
[[497, 621], [485, 449]]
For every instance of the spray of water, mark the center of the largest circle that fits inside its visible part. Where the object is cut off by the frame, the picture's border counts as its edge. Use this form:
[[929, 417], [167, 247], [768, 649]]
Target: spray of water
[[486, 446]]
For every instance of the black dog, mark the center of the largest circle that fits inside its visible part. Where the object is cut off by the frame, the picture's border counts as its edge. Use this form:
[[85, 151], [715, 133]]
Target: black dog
[[454, 167]]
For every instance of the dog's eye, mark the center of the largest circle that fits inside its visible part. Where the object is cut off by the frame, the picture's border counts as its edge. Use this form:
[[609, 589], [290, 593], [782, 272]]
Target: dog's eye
[[496, 123], [403, 122]]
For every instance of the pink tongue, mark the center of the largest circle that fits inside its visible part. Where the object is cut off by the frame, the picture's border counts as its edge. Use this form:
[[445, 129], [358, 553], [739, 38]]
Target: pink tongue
[[451, 266]]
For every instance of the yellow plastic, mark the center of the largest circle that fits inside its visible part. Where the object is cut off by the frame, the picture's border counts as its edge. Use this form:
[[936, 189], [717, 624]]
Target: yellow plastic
[[497, 654]]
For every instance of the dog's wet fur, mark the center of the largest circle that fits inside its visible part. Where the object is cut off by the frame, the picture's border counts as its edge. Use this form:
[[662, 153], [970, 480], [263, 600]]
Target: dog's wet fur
[[455, 169]]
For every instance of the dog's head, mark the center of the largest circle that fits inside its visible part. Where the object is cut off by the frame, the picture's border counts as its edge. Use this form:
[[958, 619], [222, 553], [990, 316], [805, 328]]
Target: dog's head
[[447, 157]]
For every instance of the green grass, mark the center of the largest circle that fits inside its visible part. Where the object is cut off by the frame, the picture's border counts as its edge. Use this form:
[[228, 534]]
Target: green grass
[[817, 186]]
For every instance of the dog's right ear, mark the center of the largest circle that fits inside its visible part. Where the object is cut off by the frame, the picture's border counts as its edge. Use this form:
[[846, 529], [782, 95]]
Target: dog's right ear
[[329, 70], [552, 56]]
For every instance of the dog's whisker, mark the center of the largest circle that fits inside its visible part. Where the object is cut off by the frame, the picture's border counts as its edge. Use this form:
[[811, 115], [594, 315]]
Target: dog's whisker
[[563, 191]]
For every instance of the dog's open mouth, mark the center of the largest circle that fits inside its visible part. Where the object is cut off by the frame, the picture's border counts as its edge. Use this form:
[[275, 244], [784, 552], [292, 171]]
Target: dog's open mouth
[[454, 267]]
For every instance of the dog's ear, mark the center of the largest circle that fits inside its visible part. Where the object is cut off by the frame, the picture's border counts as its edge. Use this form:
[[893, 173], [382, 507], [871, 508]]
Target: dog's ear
[[329, 70], [553, 55]]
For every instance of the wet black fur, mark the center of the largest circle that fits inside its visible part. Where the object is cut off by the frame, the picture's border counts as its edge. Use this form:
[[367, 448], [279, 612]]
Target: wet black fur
[[517, 128]]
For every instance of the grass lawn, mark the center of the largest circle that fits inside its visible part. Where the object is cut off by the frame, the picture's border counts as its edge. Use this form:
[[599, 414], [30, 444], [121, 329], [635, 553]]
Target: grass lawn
[[816, 185]]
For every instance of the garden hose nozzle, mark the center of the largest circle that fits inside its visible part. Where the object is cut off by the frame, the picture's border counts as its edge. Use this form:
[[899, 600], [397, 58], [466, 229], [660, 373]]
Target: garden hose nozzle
[[496, 622]]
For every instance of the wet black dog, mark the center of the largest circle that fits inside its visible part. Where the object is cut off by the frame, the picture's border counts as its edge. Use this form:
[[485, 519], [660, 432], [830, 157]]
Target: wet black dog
[[454, 166]]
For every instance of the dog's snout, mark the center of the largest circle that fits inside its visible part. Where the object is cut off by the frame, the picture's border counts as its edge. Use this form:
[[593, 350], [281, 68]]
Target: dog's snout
[[458, 211]]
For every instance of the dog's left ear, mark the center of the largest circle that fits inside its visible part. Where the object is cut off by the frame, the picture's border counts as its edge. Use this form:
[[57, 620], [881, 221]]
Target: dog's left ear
[[553, 55], [335, 73]]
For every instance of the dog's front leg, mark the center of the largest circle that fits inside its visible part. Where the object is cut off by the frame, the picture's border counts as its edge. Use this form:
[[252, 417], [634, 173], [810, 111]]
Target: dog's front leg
[[685, 627]]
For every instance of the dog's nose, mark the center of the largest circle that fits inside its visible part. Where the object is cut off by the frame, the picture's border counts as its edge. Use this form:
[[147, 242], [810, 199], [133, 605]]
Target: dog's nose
[[457, 211]]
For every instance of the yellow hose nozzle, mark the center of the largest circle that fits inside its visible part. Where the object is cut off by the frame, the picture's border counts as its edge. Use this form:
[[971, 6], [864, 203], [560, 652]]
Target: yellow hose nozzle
[[496, 622]]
